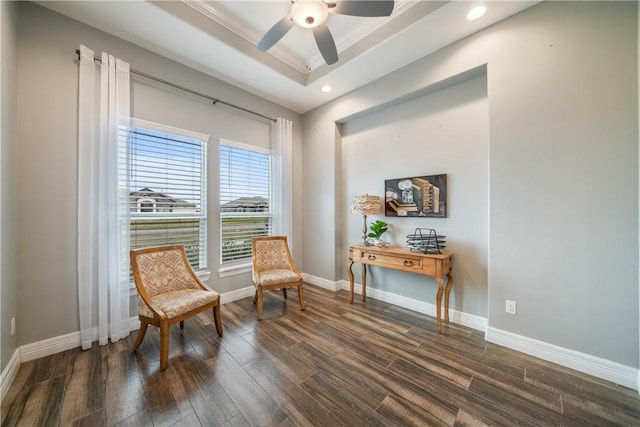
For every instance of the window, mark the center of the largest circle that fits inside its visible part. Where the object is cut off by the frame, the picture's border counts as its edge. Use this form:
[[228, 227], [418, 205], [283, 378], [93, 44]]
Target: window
[[167, 188], [245, 177], [146, 205]]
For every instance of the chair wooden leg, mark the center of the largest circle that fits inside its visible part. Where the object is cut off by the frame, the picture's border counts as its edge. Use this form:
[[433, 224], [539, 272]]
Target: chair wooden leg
[[284, 292], [217, 319], [164, 345], [260, 295], [141, 332], [255, 297], [182, 324], [301, 297]]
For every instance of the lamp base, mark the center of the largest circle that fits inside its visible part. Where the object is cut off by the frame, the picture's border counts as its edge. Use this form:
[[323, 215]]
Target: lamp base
[[364, 232]]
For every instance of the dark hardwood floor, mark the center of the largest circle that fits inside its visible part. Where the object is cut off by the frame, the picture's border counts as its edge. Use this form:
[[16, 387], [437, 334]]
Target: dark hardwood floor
[[331, 365]]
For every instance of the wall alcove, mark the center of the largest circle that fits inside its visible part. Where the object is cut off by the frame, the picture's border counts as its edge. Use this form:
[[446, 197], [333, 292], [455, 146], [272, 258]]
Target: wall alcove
[[441, 130]]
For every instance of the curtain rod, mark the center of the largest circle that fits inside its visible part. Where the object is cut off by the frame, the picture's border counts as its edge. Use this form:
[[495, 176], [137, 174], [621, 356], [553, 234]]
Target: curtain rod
[[200, 94]]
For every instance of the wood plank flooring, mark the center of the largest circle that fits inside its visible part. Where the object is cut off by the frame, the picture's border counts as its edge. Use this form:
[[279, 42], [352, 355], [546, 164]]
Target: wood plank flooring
[[335, 364]]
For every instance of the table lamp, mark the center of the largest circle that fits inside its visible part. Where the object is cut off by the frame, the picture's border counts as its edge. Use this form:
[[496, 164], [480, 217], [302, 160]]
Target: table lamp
[[365, 204]]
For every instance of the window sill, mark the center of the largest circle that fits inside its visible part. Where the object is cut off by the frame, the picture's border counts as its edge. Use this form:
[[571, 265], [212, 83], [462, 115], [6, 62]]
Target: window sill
[[232, 270]]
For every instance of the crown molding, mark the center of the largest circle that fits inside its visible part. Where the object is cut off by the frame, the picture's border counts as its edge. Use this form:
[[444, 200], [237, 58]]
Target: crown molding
[[235, 26]]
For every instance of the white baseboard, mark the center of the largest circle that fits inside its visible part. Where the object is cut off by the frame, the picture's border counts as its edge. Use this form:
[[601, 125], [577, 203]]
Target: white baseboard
[[9, 373], [249, 291], [592, 365], [62, 343], [321, 283], [465, 319], [50, 346], [134, 323]]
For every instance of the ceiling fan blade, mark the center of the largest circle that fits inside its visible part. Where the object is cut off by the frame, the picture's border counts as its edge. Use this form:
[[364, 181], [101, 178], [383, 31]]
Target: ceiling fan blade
[[325, 43], [275, 33], [364, 7]]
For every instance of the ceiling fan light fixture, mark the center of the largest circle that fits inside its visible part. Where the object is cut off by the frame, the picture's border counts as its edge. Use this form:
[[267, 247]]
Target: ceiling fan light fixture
[[309, 13]]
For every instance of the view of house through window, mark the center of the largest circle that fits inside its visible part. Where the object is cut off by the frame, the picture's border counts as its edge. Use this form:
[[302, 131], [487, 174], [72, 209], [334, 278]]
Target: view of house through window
[[167, 189], [245, 177]]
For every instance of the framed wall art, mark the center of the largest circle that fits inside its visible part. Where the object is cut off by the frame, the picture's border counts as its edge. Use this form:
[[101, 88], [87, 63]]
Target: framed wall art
[[416, 196]]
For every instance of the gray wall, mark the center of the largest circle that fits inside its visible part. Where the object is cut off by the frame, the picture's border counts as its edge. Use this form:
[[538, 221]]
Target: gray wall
[[563, 185], [8, 273], [562, 176], [46, 157]]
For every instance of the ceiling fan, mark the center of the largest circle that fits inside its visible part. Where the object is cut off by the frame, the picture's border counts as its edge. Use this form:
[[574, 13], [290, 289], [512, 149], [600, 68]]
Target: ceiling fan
[[313, 14]]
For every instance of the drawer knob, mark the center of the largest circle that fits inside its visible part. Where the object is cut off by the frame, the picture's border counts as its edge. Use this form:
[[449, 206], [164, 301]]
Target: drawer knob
[[408, 262], [371, 257]]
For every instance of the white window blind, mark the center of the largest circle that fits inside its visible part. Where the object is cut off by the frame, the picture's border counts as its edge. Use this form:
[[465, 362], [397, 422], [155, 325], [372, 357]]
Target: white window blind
[[168, 189], [245, 176]]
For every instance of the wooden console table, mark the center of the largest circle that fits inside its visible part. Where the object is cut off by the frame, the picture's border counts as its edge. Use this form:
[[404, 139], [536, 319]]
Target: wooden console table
[[403, 259]]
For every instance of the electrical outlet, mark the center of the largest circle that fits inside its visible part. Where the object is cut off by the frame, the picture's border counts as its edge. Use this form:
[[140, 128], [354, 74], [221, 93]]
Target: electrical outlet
[[13, 326], [510, 307]]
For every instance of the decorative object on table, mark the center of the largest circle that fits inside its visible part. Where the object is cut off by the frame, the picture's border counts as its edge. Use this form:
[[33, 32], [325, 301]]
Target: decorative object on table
[[417, 196], [426, 240], [365, 204], [378, 228]]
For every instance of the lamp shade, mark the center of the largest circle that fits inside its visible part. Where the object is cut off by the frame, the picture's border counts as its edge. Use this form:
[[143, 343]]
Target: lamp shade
[[365, 204]]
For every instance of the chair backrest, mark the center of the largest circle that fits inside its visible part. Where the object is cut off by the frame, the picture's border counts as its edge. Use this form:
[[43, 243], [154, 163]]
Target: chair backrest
[[271, 253], [162, 268]]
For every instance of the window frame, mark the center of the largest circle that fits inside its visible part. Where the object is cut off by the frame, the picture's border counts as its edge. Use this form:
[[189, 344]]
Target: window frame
[[231, 268], [202, 269]]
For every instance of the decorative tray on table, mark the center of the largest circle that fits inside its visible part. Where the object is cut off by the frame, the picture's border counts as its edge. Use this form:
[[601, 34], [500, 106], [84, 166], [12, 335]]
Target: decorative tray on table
[[426, 240]]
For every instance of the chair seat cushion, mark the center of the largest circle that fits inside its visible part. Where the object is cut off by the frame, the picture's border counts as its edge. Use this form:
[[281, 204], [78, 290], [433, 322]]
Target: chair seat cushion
[[278, 276], [178, 302]]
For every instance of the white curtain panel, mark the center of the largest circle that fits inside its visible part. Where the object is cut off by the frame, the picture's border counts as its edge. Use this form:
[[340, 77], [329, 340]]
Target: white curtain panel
[[282, 178], [103, 199]]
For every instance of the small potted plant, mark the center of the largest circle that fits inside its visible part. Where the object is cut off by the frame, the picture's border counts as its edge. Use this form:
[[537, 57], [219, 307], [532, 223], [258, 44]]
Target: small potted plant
[[378, 228]]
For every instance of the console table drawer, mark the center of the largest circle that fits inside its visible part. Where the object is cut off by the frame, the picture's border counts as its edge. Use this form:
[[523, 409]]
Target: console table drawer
[[405, 263]]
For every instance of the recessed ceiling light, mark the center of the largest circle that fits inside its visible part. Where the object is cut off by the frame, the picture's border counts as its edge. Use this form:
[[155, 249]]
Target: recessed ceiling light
[[477, 12], [326, 88]]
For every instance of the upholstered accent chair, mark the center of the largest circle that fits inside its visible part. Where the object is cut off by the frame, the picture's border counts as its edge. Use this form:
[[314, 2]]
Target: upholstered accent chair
[[273, 268], [169, 291]]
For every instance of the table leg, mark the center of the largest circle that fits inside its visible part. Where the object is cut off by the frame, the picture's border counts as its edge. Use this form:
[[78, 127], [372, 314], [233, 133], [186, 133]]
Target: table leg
[[439, 303], [350, 273], [446, 296], [364, 282]]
